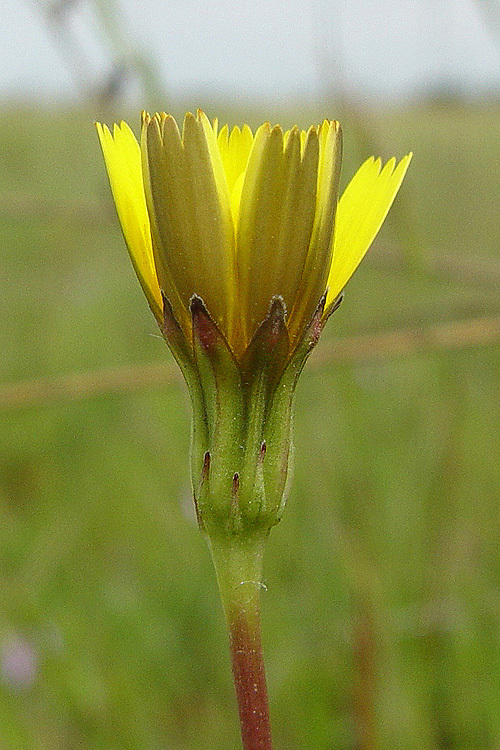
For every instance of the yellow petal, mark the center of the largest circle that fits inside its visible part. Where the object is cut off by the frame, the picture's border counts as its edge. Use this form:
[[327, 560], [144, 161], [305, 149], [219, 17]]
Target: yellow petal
[[192, 213], [275, 221], [276, 218], [157, 177], [360, 214], [297, 222], [236, 198], [250, 210], [164, 275], [298, 212], [217, 165], [330, 158], [123, 163], [317, 265], [303, 138], [234, 149]]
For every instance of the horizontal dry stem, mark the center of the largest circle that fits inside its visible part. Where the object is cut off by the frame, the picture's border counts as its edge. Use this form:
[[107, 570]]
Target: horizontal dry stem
[[454, 335]]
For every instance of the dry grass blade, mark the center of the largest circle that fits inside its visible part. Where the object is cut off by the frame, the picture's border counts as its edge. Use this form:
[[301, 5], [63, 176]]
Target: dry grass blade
[[454, 335]]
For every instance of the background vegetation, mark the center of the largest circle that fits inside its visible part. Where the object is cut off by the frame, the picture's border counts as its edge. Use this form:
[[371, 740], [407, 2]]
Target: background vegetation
[[382, 615]]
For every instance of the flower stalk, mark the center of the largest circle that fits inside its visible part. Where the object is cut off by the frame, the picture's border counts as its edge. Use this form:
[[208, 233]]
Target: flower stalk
[[239, 574]]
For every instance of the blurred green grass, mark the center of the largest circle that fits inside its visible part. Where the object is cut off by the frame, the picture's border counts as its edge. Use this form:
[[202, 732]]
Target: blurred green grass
[[382, 616]]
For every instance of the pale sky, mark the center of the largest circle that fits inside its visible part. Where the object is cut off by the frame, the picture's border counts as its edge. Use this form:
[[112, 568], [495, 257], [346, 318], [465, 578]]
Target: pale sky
[[244, 48]]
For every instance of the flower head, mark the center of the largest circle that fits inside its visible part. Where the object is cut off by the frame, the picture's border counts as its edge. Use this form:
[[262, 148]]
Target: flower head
[[242, 248], [238, 218]]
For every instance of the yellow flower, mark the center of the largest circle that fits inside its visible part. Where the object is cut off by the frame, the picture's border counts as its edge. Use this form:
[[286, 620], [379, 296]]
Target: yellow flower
[[242, 249], [239, 219]]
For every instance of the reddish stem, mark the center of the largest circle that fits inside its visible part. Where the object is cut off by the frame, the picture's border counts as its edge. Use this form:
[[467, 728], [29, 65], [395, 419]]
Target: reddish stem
[[238, 562], [250, 681]]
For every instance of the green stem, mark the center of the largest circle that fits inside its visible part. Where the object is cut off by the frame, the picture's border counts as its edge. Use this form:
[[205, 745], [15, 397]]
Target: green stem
[[239, 573]]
